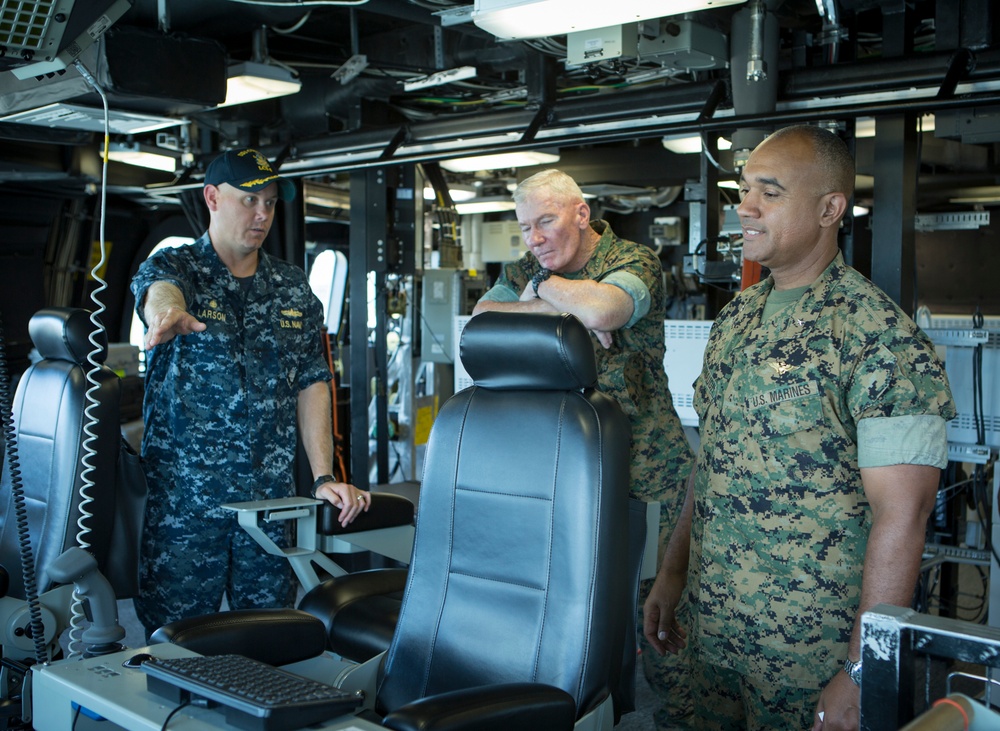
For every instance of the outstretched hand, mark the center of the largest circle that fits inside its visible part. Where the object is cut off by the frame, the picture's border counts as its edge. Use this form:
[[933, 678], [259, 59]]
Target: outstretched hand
[[173, 321]]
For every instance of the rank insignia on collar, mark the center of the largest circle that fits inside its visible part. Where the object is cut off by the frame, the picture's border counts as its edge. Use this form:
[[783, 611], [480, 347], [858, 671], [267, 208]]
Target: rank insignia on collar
[[781, 368], [800, 323]]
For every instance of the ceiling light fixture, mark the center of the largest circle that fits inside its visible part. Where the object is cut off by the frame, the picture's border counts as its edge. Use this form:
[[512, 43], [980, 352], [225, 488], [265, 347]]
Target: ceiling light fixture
[[91, 119], [259, 78], [865, 126], [518, 19], [145, 156], [500, 161], [252, 81], [489, 204], [457, 191], [691, 143]]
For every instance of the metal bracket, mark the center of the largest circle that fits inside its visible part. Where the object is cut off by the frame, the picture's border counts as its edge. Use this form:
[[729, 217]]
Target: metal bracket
[[351, 68]]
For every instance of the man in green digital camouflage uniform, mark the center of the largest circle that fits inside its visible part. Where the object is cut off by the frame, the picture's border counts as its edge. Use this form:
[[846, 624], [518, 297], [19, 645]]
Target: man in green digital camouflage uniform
[[615, 287], [822, 410], [234, 371]]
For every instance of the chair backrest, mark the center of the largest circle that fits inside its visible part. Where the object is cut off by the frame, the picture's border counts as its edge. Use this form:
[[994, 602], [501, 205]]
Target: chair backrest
[[49, 419], [518, 571]]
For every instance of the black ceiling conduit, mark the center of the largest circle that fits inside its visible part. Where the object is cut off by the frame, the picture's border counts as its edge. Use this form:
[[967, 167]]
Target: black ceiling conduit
[[656, 111], [963, 63], [401, 136], [542, 118], [883, 75]]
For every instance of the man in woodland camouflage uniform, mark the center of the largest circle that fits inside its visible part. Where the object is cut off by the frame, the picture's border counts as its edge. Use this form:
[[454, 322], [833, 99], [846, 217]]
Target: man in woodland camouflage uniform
[[822, 410], [234, 362], [615, 287]]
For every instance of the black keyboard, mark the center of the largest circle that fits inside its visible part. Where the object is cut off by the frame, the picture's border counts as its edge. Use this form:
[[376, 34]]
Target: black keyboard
[[256, 696]]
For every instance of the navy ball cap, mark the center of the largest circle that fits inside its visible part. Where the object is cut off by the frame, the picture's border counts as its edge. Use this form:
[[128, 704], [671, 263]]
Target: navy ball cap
[[247, 170]]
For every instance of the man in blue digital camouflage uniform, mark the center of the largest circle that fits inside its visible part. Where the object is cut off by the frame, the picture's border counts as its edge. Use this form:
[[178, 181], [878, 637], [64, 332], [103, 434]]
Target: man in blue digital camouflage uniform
[[615, 287], [234, 371], [822, 410]]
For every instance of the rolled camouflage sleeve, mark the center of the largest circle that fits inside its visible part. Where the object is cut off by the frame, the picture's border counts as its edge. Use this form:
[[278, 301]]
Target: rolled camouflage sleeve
[[899, 374], [164, 266]]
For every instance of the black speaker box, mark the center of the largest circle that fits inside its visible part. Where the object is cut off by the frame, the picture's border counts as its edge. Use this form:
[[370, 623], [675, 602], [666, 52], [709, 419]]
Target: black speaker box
[[160, 66]]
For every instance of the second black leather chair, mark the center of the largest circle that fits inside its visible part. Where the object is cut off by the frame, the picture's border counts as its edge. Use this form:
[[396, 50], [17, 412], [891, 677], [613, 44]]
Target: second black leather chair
[[517, 594]]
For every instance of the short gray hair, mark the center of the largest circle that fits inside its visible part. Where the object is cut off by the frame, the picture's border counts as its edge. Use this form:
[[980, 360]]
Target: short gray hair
[[556, 182]]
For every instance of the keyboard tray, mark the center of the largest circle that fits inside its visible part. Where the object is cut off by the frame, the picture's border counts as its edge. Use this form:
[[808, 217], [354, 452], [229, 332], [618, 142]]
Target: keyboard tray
[[256, 696]]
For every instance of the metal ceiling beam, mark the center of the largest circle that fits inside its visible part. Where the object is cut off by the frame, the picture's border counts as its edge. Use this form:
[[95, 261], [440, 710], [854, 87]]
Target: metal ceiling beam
[[844, 91], [887, 74]]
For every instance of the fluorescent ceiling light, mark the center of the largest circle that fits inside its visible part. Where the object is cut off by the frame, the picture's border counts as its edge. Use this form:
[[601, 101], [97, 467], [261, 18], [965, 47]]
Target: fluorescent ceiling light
[[983, 200], [984, 194], [327, 202], [142, 156], [860, 211], [500, 161], [457, 192], [691, 143], [251, 81], [865, 126], [493, 204], [90, 119], [515, 19], [325, 196]]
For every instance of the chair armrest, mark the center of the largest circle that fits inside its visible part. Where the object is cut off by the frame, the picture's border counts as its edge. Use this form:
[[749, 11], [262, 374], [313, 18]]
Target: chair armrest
[[387, 511], [359, 610], [523, 706], [387, 529], [274, 636]]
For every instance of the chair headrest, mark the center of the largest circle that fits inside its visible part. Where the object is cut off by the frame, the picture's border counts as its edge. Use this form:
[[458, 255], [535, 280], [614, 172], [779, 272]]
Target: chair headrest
[[529, 351], [63, 333]]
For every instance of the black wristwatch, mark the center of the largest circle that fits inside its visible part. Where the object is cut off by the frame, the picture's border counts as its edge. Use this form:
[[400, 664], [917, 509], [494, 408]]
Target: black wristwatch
[[853, 670], [320, 481], [540, 276]]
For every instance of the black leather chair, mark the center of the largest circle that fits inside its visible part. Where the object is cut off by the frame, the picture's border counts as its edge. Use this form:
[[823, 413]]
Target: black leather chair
[[518, 591], [48, 418]]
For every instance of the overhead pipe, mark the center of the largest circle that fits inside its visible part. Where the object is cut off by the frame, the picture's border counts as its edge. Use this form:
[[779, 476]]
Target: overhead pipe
[[886, 74], [326, 159], [831, 28], [674, 110], [579, 137], [756, 65], [700, 101], [753, 47]]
